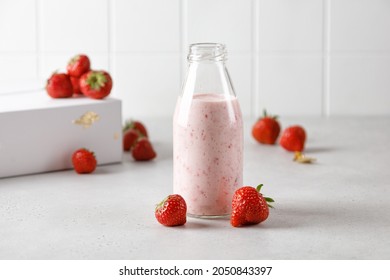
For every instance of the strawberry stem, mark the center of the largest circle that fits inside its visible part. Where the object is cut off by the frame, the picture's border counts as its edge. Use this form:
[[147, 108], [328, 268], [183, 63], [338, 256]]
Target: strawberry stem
[[259, 187]]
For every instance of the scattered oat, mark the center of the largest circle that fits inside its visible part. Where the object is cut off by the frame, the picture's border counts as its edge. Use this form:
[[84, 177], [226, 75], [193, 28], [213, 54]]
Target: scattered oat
[[301, 158]]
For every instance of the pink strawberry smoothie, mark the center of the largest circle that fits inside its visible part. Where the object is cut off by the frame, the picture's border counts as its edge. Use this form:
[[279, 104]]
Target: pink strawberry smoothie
[[208, 153]]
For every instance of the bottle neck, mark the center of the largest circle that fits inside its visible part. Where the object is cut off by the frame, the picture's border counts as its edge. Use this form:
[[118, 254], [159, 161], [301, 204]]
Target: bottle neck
[[207, 52], [213, 71], [208, 77], [207, 72]]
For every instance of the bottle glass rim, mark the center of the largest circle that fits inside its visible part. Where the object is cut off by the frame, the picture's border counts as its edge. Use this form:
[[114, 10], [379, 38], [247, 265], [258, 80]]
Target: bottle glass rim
[[207, 52]]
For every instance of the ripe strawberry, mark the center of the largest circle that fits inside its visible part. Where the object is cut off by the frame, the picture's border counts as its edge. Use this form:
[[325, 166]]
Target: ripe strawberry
[[59, 86], [137, 126], [96, 84], [249, 206], [84, 161], [75, 84], [293, 139], [266, 130], [78, 65], [130, 137], [172, 211], [143, 150]]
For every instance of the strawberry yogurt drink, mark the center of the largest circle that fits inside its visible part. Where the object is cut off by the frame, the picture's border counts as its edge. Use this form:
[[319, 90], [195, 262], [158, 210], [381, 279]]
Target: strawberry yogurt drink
[[207, 135], [208, 152]]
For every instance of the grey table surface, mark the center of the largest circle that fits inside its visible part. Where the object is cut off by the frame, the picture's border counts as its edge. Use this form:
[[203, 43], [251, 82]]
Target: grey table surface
[[338, 208]]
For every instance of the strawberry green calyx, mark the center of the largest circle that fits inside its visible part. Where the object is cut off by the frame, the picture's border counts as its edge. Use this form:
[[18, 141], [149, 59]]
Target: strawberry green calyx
[[74, 59], [96, 80], [265, 115], [258, 188], [135, 125], [129, 124], [268, 199], [89, 151], [159, 205]]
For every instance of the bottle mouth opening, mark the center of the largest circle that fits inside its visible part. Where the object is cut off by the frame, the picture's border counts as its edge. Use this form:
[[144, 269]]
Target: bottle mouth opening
[[207, 52]]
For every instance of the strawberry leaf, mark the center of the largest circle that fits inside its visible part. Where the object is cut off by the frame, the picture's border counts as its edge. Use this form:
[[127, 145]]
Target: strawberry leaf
[[259, 187]]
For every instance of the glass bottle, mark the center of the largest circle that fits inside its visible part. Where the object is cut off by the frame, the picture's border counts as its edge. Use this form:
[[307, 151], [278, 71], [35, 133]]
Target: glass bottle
[[207, 135]]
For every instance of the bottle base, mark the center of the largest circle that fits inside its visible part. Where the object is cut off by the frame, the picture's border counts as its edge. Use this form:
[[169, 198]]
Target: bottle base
[[223, 216]]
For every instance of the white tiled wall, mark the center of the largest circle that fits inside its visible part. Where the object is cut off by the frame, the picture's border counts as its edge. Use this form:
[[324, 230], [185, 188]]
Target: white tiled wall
[[293, 57]]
